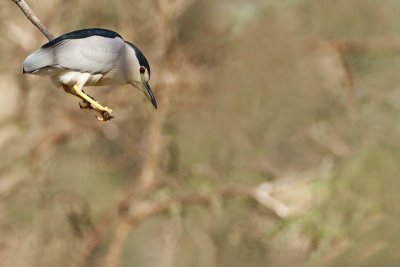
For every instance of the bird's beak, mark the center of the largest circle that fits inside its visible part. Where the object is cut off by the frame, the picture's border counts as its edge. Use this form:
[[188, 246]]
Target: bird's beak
[[149, 93]]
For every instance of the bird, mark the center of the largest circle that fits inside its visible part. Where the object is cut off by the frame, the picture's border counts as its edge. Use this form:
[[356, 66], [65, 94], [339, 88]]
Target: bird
[[91, 57]]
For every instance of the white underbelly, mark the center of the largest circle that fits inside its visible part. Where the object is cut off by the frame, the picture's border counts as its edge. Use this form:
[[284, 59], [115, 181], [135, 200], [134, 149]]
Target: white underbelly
[[71, 78]]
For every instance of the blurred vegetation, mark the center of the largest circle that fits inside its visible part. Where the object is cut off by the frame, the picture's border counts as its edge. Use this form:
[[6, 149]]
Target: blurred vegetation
[[276, 142]]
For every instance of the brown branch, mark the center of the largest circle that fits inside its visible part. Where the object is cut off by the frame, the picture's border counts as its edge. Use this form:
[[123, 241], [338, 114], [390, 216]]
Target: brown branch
[[32, 17], [113, 257], [262, 194], [381, 45], [135, 211], [10, 185], [259, 194], [157, 140], [142, 210], [345, 48], [98, 236], [340, 53], [103, 227], [348, 79]]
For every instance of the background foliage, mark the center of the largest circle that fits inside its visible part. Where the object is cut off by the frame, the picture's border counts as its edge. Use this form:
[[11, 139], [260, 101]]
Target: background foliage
[[275, 143]]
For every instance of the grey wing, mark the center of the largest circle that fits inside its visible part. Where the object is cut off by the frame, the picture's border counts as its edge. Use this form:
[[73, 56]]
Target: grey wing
[[94, 54]]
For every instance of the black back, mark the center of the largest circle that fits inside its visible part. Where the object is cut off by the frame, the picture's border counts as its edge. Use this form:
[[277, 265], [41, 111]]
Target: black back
[[79, 34]]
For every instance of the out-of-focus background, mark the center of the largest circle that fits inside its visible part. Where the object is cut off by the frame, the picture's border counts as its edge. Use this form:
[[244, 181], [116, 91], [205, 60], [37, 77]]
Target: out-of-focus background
[[276, 141]]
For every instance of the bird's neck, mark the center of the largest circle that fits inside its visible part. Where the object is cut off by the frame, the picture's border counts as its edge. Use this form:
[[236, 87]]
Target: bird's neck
[[131, 65]]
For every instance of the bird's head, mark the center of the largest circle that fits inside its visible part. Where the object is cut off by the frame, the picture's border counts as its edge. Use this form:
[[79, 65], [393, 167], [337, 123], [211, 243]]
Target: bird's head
[[139, 72]]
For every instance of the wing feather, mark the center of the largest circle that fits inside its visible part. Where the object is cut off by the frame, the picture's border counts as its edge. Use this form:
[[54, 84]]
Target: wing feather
[[94, 54]]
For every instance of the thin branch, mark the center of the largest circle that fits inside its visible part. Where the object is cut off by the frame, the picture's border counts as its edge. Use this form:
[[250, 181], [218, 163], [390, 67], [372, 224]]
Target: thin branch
[[262, 194], [145, 209], [113, 257], [142, 210], [103, 227], [348, 79], [32, 17], [157, 141], [381, 45], [10, 185]]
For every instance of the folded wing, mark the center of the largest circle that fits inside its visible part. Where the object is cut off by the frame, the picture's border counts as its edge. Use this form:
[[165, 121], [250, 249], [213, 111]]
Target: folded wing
[[94, 54]]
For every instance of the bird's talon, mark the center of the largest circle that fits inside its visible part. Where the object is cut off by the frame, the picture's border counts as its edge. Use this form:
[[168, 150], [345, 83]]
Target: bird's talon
[[85, 105], [105, 116]]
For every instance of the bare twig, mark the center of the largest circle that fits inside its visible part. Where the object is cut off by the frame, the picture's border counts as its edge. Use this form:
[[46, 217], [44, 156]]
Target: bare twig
[[340, 56], [113, 257], [343, 49], [145, 209], [104, 225], [32, 17], [349, 80], [9, 185], [381, 45], [141, 210], [157, 140], [263, 194]]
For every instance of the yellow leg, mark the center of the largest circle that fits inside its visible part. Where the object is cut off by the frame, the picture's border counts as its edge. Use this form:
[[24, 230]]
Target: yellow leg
[[95, 104]]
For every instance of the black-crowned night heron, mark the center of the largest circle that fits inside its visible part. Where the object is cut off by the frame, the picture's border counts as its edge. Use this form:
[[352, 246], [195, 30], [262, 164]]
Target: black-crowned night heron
[[91, 57]]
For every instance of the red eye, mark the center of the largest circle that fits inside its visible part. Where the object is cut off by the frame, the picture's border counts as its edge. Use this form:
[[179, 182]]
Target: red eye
[[142, 70]]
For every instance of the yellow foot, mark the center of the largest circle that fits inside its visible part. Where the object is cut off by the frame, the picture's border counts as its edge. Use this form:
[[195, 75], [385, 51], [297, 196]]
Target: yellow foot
[[94, 103]]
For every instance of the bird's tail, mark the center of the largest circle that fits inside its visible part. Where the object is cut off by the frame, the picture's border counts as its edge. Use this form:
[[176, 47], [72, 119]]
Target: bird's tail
[[39, 59]]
